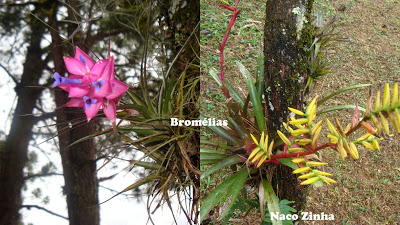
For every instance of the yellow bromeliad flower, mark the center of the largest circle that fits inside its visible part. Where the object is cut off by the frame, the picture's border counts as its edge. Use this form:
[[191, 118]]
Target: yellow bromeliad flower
[[262, 151]]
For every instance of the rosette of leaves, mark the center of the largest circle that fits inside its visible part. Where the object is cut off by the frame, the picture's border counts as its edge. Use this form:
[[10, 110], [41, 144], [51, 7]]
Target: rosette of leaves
[[248, 144], [170, 154]]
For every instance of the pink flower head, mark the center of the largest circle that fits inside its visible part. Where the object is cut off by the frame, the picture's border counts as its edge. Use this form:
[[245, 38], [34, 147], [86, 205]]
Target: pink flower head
[[92, 85]]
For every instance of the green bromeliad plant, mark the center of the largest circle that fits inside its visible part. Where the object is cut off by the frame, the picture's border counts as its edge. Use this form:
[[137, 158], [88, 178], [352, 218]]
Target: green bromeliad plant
[[248, 147]]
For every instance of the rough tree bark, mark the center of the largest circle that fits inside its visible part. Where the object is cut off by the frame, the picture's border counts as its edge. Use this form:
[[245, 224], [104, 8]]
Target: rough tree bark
[[14, 155], [286, 33], [79, 160]]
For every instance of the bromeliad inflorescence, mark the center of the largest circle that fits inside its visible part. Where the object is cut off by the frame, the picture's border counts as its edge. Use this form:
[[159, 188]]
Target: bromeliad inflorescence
[[302, 144], [91, 85]]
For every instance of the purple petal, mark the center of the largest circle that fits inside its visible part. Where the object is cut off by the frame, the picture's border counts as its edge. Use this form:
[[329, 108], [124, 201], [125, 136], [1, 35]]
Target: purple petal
[[76, 91], [118, 89], [57, 78], [98, 85], [75, 66], [102, 88], [81, 54], [92, 106]]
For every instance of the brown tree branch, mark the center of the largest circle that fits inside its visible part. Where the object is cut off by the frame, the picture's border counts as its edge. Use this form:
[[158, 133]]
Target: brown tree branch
[[44, 209], [42, 175]]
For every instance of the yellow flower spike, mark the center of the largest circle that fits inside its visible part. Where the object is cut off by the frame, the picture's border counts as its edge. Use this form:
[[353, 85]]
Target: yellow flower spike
[[339, 126], [328, 180], [315, 127], [262, 160], [302, 170], [299, 121], [322, 173], [334, 140], [297, 112], [258, 156], [397, 113], [331, 128], [365, 136], [311, 181], [262, 140], [296, 150], [254, 152], [353, 151], [311, 116], [341, 150], [395, 98], [348, 127], [313, 163], [367, 145], [297, 125], [308, 175], [385, 124], [377, 123], [254, 139], [393, 119], [309, 107], [284, 138], [265, 143], [378, 106], [316, 136], [346, 145], [300, 131], [298, 160], [375, 144], [270, 148], [386, 98], [285, 126], [304, 141]]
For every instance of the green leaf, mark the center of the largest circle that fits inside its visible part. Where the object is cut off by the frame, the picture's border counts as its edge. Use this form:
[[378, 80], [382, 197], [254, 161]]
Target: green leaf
[[331, 95], [145, 180], [260, 74], [215, 76], [255, 97], [229, 187], [288, 162], [339, 107], [272, 200], [148, 113], [210, 156], [236, 96], [216, 144], [222, 133], [232, 160]]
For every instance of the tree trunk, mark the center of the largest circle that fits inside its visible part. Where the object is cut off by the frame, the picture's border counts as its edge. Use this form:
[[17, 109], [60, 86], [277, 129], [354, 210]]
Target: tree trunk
[[14, 156], [79, 160], [287, 31]]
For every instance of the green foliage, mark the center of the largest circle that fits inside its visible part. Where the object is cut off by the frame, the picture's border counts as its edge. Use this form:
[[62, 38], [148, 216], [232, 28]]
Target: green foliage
[[228, 188], [285, 209], [243, 205]]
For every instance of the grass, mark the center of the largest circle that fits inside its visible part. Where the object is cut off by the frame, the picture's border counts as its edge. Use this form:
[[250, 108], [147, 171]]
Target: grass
[[367, 190]]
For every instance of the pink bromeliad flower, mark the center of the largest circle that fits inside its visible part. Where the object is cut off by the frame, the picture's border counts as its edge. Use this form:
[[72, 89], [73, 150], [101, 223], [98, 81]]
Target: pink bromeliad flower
[[91, 85]]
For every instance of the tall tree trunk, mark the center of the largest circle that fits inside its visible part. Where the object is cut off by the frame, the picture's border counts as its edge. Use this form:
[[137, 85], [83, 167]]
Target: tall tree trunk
[[79, 160], [287, 31], [14, 155]]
